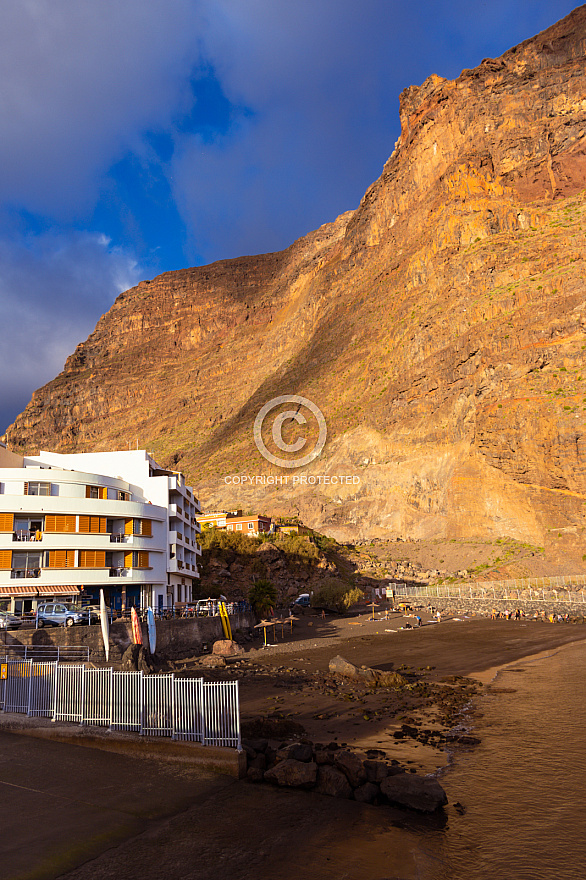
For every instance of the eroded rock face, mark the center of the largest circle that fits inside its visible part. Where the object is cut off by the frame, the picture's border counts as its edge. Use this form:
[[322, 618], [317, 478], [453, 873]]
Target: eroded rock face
[[440, 328]]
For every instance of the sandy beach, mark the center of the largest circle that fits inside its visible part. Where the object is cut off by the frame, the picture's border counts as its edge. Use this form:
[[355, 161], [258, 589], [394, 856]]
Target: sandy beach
[[209, 828]]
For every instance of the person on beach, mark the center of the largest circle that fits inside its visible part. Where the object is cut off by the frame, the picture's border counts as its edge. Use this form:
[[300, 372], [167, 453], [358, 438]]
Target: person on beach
[[419, 621]]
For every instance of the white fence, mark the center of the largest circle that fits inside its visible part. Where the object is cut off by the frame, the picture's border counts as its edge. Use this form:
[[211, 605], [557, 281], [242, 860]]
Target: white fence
[[513, 590], [150, 705], [66, 653]]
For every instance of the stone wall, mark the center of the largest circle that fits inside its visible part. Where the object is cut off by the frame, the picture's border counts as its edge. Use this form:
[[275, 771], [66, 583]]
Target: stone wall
[[184, 637]]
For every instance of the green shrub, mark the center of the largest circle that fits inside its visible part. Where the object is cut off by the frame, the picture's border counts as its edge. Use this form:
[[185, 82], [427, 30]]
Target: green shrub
[[336, 594]]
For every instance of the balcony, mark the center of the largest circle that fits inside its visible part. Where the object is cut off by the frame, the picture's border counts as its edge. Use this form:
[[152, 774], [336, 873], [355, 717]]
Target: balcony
[[23, 535], [25, 573], [121, 539], [120, 572]]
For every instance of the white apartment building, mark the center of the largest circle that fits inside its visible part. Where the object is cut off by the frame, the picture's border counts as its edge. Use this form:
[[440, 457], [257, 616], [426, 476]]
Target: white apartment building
[[72, 524]]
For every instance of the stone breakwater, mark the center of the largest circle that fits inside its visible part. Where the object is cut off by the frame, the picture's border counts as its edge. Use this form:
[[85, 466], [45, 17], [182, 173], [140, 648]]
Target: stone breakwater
[[342, 773]]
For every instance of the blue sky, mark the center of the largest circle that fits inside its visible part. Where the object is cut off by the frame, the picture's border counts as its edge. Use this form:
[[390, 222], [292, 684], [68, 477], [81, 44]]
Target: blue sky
[[140, 136]]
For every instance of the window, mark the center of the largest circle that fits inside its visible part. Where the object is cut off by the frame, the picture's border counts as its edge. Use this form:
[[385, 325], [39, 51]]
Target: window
[[239, 526], [61, 558], [60, 522], [250, 526], [140, 559], [26, 564], [142, 527], [122, 496], [93, 525], [96, 492], [37, 488], [92, 558], [6, 522]]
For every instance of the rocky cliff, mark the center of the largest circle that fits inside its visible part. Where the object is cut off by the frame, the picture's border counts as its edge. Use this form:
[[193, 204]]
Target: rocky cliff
[[440, 328]]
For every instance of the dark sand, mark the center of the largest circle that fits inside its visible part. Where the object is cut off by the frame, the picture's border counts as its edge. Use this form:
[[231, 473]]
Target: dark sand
[[137, 818]]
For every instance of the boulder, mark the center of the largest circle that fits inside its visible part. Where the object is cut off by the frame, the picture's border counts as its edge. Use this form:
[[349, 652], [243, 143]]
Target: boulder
[[294, 774], [339, 666], [366, 793], [212, 660], [255, 774], [227, 648], [295, 751], [323, 756], [421, 793], [260, 762], [258, 745], [376, 771], [332, 782], [351, 766]]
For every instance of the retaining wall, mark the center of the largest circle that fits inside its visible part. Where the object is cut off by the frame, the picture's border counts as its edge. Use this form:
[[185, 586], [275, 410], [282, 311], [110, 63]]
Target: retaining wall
[[180, 637]]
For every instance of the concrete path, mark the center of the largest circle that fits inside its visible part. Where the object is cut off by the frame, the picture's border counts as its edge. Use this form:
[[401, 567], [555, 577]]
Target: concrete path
[[62, 804]]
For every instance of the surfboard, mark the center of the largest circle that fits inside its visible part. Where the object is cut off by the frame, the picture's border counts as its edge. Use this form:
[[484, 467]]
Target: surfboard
[[227, 619], [136, 630], [105, 625], [152, 628], [223, 619]]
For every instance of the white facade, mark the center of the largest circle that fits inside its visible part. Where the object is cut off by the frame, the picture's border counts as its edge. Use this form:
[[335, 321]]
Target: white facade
[[71, 524]]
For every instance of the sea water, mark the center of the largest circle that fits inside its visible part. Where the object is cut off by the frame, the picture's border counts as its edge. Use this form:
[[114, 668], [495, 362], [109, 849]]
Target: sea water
[[523, 789]]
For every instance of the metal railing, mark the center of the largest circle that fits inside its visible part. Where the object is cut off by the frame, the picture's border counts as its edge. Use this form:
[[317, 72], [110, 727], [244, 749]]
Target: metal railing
[[58, 653], [149, 705], [554, 589]]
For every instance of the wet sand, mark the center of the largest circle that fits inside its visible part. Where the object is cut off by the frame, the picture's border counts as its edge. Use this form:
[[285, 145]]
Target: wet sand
[[146, 819]]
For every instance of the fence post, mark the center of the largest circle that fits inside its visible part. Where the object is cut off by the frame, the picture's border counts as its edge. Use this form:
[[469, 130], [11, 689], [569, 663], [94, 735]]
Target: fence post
[[110, 713], [30, 685], [141, 702], [173, 734]]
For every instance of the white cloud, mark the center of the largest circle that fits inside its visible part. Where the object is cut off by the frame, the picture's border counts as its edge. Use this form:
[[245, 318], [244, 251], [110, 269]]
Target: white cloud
[[53, 289], [79, 82]]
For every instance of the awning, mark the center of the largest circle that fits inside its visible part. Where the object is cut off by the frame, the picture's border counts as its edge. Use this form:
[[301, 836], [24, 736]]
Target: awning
[[24, 590]]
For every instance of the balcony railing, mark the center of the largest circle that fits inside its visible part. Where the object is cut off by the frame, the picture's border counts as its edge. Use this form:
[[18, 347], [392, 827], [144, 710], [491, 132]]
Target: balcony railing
[[25, 573], [120, 572], [25, 535], [120, 539]]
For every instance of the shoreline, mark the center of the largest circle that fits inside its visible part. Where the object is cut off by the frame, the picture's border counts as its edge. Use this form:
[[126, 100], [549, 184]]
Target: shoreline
[[275, 831]]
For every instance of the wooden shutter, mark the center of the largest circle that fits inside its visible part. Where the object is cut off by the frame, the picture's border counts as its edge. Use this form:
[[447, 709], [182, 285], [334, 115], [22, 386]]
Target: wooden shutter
[[128, 526], [5, 559], [6, 522], [147, 528], [26, 488], [102, 491], [61, 558], [92, 558], [128, 559], [142, 559], [92, 525], [60, 523]]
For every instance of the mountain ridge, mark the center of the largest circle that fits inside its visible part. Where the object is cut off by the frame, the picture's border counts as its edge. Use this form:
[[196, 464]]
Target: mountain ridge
[[453, 292]]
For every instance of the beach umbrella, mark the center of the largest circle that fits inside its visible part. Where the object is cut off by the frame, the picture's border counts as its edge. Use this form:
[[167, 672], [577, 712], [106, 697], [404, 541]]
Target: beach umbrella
[[264, 624], [373, 605]]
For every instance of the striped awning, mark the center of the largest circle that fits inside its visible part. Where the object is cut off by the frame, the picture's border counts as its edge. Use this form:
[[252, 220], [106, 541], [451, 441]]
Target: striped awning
[[30, 591]]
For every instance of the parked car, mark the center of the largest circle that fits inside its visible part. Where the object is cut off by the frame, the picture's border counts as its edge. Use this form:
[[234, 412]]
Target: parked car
[[9, 621], [93, 613], [302, 601], [60, 614]]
